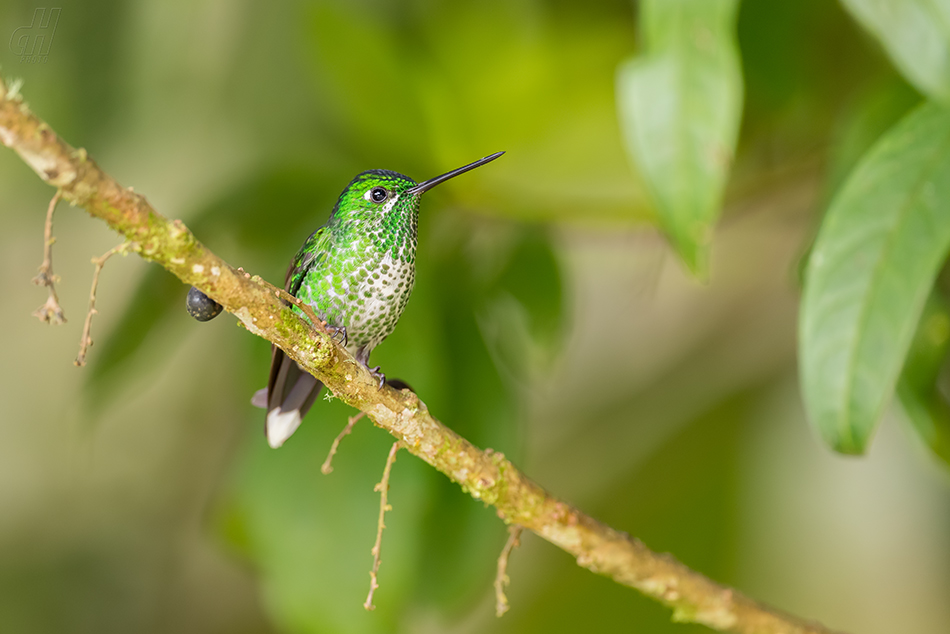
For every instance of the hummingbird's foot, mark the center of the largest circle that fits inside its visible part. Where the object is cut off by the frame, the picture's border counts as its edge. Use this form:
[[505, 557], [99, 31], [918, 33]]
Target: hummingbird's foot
[[338, 331], [378, 375]]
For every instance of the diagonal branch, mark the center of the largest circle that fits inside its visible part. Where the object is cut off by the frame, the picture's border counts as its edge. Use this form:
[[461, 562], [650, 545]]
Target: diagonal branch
[[485, 475]]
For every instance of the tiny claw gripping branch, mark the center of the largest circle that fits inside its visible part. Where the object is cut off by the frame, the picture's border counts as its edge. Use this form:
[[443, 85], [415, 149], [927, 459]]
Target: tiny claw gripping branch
[[377, 374], [337, 332]]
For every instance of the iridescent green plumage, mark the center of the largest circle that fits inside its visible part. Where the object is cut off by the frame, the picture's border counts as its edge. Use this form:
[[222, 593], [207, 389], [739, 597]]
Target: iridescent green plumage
[[357, 273], [358, 270]]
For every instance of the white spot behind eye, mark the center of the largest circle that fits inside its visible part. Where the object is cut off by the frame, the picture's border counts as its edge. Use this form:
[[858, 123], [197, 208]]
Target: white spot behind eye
[[390, 204]]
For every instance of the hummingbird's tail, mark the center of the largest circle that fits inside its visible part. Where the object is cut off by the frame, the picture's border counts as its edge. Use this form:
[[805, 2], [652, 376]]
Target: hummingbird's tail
[[289, 394]]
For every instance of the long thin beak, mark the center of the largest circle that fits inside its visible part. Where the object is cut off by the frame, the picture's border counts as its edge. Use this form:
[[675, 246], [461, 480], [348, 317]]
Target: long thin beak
[[425, 186]]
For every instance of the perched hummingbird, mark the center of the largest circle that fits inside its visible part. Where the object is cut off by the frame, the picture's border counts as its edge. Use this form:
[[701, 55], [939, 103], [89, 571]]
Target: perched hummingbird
[[357, 272]]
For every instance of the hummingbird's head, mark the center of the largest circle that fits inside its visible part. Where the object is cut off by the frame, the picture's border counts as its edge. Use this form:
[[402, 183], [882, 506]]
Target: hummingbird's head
[[382, 194], [375, 194]]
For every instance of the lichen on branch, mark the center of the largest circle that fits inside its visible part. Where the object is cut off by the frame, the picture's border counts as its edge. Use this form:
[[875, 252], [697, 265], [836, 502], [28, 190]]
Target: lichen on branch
[[485, 475]]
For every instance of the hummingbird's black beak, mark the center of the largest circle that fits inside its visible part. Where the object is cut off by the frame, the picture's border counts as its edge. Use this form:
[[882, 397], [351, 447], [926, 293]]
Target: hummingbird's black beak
[[425, 186]]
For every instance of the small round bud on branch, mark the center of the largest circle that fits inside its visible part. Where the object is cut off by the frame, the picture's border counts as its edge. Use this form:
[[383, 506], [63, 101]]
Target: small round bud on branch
[[200, 306]]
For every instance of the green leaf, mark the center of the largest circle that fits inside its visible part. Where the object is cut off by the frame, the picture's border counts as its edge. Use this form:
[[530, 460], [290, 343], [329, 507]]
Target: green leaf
[[922, 387], [916, 36], [680, 105], [877, 254], [862, 123]]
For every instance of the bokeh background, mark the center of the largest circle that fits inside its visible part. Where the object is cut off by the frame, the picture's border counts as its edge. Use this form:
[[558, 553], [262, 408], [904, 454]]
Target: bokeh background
[[550, 321]]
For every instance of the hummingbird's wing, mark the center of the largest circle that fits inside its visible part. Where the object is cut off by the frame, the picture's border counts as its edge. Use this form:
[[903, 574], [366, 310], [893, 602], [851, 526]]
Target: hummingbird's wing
[[290, 390], [311, 254]]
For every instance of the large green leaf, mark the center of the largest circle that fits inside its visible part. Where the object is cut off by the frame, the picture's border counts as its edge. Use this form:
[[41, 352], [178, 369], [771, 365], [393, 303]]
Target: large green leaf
[[862, 122], [875, 259], [916, 35], [680, 106]]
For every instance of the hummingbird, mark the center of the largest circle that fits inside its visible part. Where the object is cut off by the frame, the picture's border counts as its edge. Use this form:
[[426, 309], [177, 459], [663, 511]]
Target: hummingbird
[[356, 272]]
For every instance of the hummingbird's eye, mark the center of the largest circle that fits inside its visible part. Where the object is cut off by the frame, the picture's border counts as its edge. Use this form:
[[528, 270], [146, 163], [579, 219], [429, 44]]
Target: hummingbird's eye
[[378, 194]]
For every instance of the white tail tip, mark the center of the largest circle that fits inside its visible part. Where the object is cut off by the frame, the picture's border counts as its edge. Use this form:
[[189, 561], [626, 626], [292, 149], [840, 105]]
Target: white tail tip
[[281, 425]]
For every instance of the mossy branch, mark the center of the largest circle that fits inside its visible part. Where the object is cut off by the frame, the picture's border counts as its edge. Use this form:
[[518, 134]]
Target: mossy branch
[[485, 475]]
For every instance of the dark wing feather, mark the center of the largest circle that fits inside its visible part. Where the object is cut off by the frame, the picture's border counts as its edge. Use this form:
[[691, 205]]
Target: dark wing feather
[[311, 254], [284, 372]]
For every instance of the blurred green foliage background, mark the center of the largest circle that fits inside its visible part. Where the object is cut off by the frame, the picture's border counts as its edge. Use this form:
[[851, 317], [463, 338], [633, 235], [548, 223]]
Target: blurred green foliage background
[[550, 321]]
